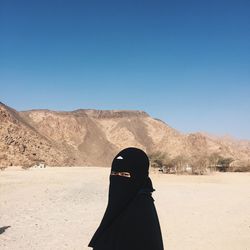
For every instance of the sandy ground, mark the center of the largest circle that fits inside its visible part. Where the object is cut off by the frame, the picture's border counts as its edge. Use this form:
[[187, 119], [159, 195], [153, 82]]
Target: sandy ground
[[60, 208]]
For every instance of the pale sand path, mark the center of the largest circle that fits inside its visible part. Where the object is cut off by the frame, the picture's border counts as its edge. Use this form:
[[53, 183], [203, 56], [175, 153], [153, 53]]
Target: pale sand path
[[60, 208]]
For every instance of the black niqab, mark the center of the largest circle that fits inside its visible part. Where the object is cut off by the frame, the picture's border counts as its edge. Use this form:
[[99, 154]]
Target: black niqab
[[129, 200]]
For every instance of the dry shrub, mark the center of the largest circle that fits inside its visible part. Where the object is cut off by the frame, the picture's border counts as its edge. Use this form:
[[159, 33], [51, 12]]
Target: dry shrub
[[27, 166], [158, 159], [241, 166]]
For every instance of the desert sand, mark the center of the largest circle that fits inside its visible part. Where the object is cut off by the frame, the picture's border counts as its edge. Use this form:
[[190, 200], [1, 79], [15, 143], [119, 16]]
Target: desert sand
[[60, 208]]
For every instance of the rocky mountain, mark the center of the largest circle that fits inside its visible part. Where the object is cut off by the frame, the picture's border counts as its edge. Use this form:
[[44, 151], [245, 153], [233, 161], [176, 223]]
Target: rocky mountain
[[93, 137], [21, 144]]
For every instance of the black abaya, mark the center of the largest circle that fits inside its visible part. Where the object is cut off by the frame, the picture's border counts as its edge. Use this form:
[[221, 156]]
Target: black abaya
[[130, 221]]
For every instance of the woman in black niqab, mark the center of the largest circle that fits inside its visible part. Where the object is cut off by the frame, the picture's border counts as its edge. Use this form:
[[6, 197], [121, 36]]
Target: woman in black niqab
[[130, 221]]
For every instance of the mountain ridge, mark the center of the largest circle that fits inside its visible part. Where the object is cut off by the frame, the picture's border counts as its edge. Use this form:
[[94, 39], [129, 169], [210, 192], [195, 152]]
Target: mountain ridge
[[93, 137]]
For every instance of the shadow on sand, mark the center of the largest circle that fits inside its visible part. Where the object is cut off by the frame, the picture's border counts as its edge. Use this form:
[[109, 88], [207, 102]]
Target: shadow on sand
[[2, 229]]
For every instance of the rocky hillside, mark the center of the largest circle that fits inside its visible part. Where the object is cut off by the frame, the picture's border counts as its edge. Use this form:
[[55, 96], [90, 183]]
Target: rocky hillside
[[93, 137], [21, 144]]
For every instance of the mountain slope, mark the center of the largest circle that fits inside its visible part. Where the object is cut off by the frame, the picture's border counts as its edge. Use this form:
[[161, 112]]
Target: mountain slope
[[93, 137], [21, 144]]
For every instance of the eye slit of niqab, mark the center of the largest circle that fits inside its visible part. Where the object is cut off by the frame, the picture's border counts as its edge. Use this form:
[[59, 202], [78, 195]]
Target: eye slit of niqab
[[123, 174]]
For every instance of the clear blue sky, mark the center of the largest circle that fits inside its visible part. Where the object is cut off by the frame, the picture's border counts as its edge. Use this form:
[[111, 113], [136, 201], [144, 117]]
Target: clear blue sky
[[185, 62]]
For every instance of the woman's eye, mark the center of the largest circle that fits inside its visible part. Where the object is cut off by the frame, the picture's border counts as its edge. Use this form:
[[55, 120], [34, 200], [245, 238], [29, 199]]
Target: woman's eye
[[124, 174]]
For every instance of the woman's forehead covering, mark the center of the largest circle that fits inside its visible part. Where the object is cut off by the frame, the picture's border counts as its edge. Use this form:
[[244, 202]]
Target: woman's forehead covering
[[131, 159]]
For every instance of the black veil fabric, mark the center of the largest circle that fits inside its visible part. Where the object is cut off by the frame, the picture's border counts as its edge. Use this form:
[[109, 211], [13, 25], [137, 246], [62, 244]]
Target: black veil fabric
[[126, 196]]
